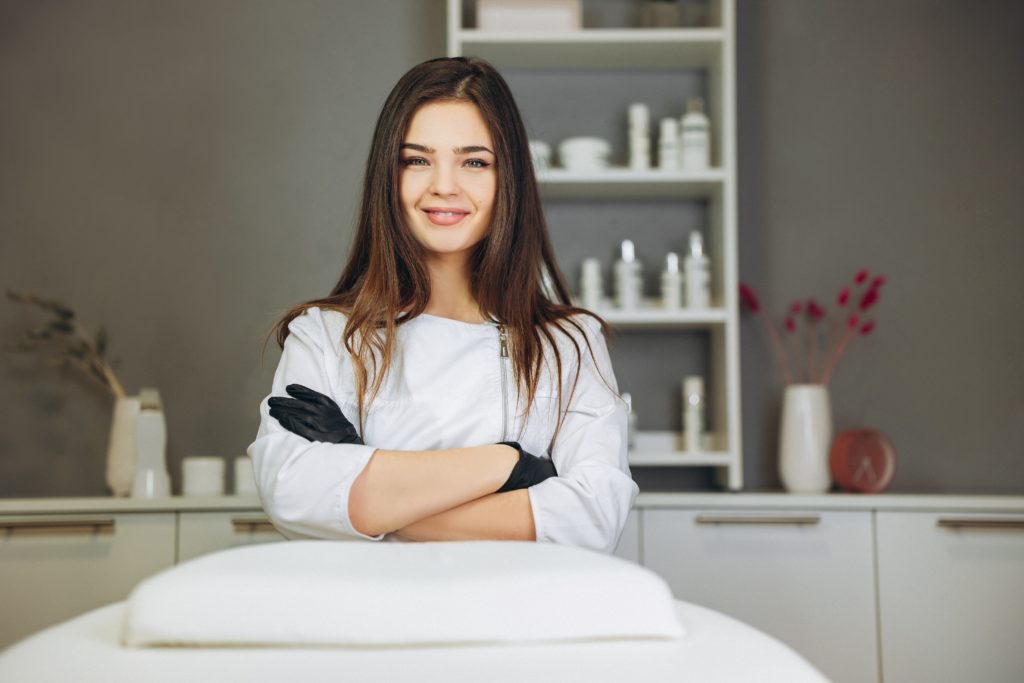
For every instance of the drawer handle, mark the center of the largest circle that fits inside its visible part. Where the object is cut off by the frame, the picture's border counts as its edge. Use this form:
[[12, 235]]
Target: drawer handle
[[997, 524], [78, 524], [251, 524], [784, 520]]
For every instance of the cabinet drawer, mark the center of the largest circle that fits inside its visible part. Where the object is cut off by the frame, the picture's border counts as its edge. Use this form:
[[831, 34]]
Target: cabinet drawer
[[951, 590], [806, 578], [54, 567], [205, 532]]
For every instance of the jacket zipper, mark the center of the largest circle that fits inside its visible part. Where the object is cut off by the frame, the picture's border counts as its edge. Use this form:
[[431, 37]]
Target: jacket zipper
[[502, 355]]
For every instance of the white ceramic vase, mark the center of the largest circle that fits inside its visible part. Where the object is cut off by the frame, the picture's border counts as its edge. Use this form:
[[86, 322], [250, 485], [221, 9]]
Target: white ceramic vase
[[805, 434], [122, 449]]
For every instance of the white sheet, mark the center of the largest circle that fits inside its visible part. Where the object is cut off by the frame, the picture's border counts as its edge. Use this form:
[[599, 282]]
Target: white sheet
[[716, 648]]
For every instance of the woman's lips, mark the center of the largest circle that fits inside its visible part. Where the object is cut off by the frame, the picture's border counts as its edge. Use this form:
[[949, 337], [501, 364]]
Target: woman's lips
[[450, 217]]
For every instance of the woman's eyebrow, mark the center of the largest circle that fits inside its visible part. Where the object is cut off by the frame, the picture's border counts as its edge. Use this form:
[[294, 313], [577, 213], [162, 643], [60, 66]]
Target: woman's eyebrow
[[469, 149]]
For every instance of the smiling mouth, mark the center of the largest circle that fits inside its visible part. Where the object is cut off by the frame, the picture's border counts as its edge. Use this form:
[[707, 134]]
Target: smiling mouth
[[445, 217]]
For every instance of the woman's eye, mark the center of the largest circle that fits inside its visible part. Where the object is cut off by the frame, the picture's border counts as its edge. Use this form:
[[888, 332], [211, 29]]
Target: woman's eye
[[413, 161], [477, 163]]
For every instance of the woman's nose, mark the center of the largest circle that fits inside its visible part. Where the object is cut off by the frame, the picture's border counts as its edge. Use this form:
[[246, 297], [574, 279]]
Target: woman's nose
[[443, 182]]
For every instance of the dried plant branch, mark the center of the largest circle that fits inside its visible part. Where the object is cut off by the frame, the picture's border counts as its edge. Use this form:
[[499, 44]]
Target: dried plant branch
[[79, 348]]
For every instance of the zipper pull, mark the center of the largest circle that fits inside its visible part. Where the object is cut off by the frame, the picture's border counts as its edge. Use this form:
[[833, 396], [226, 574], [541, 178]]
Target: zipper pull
[[504, 341]]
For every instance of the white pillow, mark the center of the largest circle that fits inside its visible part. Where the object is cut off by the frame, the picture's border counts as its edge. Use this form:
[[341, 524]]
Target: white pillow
[[355, 593]]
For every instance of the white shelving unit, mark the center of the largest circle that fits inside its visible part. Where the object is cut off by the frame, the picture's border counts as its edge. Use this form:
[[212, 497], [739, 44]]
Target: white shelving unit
[[709, 49]]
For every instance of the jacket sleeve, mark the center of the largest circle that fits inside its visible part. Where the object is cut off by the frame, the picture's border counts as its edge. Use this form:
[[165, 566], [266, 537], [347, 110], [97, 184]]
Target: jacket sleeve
[[587, 504], [304, 486]]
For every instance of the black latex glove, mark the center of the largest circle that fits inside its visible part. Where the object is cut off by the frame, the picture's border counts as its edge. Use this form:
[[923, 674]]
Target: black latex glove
[[528, 471], [312, 416]]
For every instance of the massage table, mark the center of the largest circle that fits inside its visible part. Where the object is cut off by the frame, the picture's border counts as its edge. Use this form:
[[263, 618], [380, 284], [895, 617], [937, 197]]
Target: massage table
[[713, 647]]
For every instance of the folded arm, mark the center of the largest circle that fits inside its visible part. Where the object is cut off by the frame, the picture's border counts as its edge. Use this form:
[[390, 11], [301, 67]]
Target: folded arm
[[498, 516]]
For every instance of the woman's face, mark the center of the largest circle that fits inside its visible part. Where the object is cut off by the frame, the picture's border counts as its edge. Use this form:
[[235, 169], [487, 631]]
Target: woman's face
[[448, 179]]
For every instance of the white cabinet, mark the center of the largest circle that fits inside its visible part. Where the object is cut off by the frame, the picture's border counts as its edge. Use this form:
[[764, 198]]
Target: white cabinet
[[612, 53], [200, 533], [54, 567], [805, 577], [951, 595], [629, 543]]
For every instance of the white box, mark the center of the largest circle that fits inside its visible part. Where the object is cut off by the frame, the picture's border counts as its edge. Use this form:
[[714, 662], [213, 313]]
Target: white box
[[529, 15]]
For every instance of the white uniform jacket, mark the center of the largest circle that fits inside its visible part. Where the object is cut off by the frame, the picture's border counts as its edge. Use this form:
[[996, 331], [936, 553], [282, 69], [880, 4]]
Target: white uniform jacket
[[448, 387]]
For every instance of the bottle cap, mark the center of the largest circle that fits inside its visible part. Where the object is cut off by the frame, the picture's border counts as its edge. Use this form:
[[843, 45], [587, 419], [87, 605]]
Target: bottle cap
[[628, 251], [672, 262], [695, 105], [693, 388], [638, 114], [696, 244]]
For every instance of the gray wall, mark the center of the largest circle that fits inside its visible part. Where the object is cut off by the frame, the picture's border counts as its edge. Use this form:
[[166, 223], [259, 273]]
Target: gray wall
[[184, 171]]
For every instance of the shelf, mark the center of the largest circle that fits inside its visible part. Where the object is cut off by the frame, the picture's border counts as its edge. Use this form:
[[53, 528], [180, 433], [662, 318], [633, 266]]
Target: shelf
[[665, 449], [684, 48], [625, 182], [653, 317]]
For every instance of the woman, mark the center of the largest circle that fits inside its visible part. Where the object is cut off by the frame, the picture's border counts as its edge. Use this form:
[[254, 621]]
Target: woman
[[441, 342]]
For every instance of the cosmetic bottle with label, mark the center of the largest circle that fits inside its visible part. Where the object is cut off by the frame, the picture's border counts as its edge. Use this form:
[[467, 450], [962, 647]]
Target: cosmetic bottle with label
[[668, 145], [693, 413], [697, 268], [591, 285], [631, 422], [695, 136], [639, 137], [671, 283], [628, 278]]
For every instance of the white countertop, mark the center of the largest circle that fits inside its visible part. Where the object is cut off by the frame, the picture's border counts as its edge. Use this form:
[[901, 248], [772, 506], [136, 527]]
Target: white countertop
[[682, 500]]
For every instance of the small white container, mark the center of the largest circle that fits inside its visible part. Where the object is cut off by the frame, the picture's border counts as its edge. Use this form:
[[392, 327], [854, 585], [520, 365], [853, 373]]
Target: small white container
[[668, 145], [695, 136], [540, 152], [245, 478], [591, 285], [639, 137], [697, 267], [671, 283], [628, 273], [151, 479], [584, 153], [529, 15], [202, 476], [693, 413]]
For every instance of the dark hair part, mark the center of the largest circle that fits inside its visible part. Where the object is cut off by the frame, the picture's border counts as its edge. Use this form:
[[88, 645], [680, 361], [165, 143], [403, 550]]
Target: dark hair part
[[386, 273]]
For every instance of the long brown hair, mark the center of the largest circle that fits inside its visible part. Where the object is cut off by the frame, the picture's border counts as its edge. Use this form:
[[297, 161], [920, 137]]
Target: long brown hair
[[386, 272]]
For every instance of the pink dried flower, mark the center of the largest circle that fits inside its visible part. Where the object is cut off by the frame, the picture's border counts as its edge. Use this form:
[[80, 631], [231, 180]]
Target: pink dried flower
[[867, 327], [851, 322], [790, 324], [878, 281], [814, 311], [749, 298], [844, 296], [861, 276], [869, 299], [796, 307]]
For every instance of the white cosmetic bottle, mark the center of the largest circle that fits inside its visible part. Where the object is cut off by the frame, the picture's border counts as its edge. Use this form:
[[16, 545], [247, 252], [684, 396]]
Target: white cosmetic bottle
[[639, 137], [628, 278], [697, 268], [668, 145], [693, 413], [695, 136], [151, 478], [671, 283], [591, 285]]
